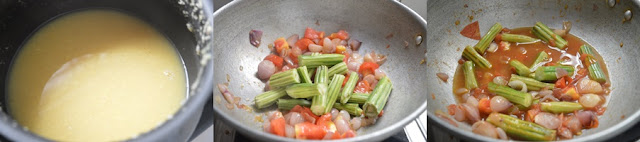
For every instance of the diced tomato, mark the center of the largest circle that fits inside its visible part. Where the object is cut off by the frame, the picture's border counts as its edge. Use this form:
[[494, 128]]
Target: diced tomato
[[281, 44], [452, 109], [324, 119], [362, 87], [561, 83], [381, 112], [306, 130], [340, 49], [346, 57], [313, 34], [484, 106], [275, 59], [340, 34], [368, 68], [471, 31], [301, 109], [345, 80], [277, 126], [303, 43], [348, 134], [498, 38], [531, 113]]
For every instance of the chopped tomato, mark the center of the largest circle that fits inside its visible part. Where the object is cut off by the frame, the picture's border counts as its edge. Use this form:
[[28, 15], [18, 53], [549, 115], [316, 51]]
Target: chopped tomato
[[306, 130], [498, 38], [531, 113], [275, 59], [471, 31], [281, 44], [346, 57], [345, 80], [363, 87], [381, 112], [340, 34], [368, 68], [484, 105], [348, 134], [303, 43], [324, 119], [452, 109], [301, 109], [277, 126], [561, 83], [313, 34], [340, 49]]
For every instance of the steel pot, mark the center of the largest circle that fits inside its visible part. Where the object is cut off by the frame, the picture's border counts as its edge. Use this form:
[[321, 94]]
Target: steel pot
[[595, 21], [237, 60], [186, 23]]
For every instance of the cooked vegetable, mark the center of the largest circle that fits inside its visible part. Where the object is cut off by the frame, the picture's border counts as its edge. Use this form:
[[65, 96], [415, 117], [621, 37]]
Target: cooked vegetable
[[275, 59], [319, 102], [521, 69], [305, 90], [359, 98], [304, 74], [525, 130], [255, 36], [472, 55], [512, 95], [284, 79], [340, 68], [321, 76], [482, 45], [333, 92], [595, 71], [312, 61], [288, 104], [542, 56], [469, 75], [268, 98], [347, 91], [543, 32], [517, 38], [378, 98], [368, 68], [549, 73], [352, 108], [531, 83], [560, 107]]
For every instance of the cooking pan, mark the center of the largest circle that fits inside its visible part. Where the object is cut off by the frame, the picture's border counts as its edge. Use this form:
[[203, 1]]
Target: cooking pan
[[595, 21], [236, 60], [184, 23]]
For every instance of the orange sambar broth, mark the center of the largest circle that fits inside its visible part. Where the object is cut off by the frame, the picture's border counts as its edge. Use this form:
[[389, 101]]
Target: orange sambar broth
[[501, 67]]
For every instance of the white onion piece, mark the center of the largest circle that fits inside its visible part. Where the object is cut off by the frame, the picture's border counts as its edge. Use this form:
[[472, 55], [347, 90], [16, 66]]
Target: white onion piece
[[288, 61], [356, 122], [493, 47], [500, 80], [296, 51], [293, 118], [517, 84], [471, 112], [308, 118], [589, 100], [356, 57], [355, 44], [345, 115], [585, 117], [560, 72], [499, 104], [485, 129], [547, 120], [371, 79], [459, 113], [334, 113], [472, 101], [255, 36], [292, 40], [335, 42], [315, 48], [587, 86], [501, 134], [327, 46], [368, 58], [328, 136], [274, 115], [289, 131], [465, 96], [353, 66], [341, 125], [574, 124], [461, 91], [379, 74]]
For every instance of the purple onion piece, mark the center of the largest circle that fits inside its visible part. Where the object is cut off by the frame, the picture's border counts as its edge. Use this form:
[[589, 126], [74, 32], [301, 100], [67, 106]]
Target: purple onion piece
[[254, 37], [355, 44]]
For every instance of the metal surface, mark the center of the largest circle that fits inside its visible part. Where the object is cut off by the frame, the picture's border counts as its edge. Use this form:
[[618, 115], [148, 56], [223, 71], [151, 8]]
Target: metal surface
[[593, 21], [19, 18], [236, 60]]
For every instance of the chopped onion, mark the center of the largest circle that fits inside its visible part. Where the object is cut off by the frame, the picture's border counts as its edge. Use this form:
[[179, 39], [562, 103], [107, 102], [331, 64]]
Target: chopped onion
[[255, 36], [573, 124], [292, 40], [353, 65], [459, 113], [585, 117], [355, 44], [328, 135], [265, 69], [355, 123], [266, 126], [517, 84], [315, 48], [499, 104], [500, 80], [471, 112], [588, 86], [461, 91], [379, 74], [334, 113], [548, 120], [485, 129], [444, 77], [472, 101], [371, 79], [293, 118], [493, 47], [327, 46], [341, 125], [345, 115], [289, 130], [560, 72], [501, 134], [590, 100]]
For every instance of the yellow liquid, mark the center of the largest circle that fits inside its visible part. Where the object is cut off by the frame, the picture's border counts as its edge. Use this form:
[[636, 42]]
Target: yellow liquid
[[95, 75]]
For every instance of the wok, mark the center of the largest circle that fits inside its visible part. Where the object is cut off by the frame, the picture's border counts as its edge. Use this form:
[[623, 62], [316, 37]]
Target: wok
[[236, 60], [593, 21]]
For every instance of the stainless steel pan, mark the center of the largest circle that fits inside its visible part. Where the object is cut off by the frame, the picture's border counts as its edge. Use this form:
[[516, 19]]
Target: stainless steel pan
[[594, 21], [236, 60]]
